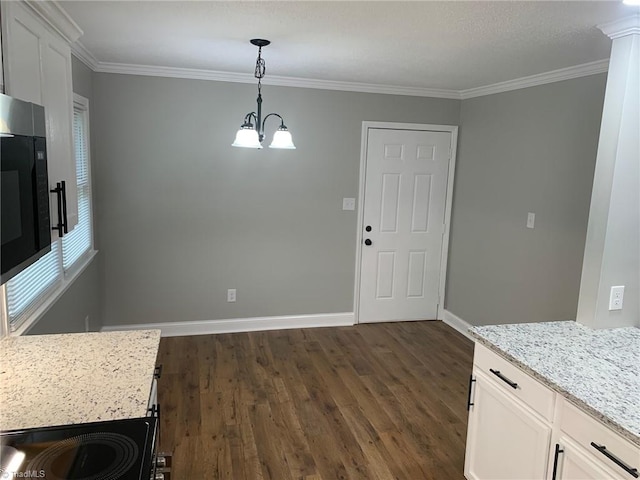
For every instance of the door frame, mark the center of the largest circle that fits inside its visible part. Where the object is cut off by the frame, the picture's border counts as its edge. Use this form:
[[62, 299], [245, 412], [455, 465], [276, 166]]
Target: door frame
[[366, 126]]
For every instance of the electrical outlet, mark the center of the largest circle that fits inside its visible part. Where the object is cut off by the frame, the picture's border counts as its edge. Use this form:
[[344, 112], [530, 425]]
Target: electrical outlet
[[616, 298], [231, 295], [531, 220]]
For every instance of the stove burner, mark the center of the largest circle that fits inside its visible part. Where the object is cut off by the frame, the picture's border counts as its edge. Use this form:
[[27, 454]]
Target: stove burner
[[92, 456]]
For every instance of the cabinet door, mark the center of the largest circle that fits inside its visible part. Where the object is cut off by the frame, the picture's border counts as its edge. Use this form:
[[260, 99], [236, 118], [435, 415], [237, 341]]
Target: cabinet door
[[505, 439], [575, 464], [38, 70], [22, 53], [58, 100]]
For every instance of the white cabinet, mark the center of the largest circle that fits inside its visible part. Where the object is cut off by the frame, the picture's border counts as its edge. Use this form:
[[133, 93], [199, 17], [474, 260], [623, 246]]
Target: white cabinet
[[37, 68], [587, 449], [520, 429], [506, 438], [573, 463]]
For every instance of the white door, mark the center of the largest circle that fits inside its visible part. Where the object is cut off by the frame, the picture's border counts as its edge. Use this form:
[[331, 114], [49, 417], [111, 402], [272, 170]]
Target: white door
[[506, 440], [403, 224]]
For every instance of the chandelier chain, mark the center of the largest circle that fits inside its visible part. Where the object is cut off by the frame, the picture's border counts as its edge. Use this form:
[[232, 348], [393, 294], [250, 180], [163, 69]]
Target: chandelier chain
[[260, 69]]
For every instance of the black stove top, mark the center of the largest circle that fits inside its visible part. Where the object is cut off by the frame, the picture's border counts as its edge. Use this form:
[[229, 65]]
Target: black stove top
[[112, 450]]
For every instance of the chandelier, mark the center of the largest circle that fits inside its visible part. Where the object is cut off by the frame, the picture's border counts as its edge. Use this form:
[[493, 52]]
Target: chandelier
[[250, 136]]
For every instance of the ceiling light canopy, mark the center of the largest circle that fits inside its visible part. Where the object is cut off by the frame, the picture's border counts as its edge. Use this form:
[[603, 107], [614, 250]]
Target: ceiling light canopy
[[251, 135]]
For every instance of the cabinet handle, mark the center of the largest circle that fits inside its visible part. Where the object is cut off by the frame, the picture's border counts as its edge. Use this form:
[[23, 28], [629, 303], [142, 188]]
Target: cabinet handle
[[503, 378], [65, 222], [469, 403], [555, 461], [603, 450], [60, 227], [157, 372]]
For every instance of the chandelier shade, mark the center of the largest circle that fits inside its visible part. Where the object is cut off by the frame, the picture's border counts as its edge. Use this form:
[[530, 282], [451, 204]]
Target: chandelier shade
[[251, 135], [282, 139], [247, 137]]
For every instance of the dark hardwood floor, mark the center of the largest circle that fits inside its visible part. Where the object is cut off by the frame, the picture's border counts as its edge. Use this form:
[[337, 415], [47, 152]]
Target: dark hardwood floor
[[377, 401]]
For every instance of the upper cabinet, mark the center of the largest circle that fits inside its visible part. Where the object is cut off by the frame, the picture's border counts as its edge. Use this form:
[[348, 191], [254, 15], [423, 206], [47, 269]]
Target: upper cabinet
[[37, 68]]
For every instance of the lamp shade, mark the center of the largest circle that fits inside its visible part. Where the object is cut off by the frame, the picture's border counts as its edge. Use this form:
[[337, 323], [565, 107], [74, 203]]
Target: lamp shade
[[282, 139], [247, 137]]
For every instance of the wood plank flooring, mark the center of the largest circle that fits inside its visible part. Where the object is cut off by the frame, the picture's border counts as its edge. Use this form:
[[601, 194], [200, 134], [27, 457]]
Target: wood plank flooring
[[377, 401]]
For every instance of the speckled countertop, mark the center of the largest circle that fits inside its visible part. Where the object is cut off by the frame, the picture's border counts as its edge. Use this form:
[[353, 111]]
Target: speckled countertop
[[598, 370], [75, 378]]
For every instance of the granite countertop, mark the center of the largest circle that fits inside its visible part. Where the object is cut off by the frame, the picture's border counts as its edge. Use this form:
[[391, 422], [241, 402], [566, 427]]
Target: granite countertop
[[75, 378], [598, 370]]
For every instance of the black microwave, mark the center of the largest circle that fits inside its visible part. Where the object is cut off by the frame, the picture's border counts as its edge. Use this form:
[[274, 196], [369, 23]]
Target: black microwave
[[24, 193]]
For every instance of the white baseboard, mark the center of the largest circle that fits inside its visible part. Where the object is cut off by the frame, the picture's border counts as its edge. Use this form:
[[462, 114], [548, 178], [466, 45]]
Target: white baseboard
[[235, 325], [457, 323]]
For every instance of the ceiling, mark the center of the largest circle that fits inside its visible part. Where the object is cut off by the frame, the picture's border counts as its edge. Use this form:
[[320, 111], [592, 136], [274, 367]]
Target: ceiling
[[451, 45]]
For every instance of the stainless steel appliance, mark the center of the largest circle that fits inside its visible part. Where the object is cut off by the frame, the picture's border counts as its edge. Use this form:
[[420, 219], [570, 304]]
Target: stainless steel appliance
[[26, 231]]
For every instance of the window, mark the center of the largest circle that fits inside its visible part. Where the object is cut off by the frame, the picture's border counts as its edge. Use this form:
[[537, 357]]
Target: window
[[44, 281], [78, 241]]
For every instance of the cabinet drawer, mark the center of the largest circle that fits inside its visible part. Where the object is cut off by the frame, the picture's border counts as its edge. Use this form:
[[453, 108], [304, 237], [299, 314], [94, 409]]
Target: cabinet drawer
[[514, 380], [586, 430]]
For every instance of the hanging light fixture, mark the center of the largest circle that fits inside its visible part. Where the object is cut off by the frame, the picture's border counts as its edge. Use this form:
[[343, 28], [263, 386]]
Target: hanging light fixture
[[250, 136]]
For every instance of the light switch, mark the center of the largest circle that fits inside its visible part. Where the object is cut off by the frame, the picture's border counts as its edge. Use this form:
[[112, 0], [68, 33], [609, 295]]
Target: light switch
[[531, 220], [348, 204]]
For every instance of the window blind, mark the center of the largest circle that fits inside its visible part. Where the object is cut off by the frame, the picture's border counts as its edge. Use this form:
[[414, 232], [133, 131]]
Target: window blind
[[78, 241], [26, 290]]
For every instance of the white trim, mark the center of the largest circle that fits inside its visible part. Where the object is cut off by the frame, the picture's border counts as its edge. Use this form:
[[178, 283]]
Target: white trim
[[576, 71], [84, 55], [235, 325], [57, 18], [448, 208], [453, 129], [457, 323], [568, 73], [360, 220], [4, 316], [200, 74], [622, 27]]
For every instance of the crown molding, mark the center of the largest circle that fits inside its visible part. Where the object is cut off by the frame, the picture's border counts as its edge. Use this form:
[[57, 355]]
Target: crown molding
[[197, 74], [583, 70], [576, 71], [57, 18], [621, 28], [84, 55]]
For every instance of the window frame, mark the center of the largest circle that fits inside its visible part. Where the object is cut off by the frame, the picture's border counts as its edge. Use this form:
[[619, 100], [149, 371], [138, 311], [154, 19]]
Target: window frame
[[82, 104]]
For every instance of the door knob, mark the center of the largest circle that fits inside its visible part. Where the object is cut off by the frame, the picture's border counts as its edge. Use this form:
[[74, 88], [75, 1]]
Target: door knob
[[368, 242], [368, 228]]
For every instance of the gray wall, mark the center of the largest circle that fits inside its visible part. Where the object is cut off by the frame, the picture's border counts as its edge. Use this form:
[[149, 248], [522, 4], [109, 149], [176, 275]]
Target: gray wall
[[183, 216], [82, 298], [82, 78], [530, 150]]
